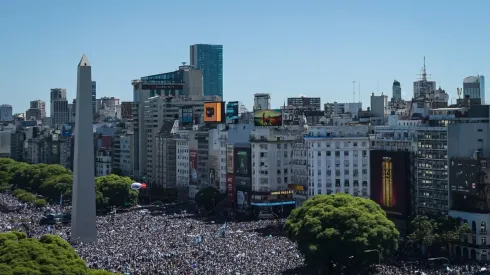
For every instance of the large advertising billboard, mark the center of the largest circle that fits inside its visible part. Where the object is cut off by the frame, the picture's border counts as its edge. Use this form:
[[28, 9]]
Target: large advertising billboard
[[390, 181], [230, 187], [213, 112], [464, 175], [268, 117], [232, 112], [186, 116], [193, 177], [229, 159], [242, 160]]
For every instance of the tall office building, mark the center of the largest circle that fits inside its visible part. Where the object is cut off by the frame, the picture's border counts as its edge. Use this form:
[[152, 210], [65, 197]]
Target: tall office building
[[6, 112], [94, 97], [60, 113], [474, 86], [397, 91], [209, 59], [83, 227]]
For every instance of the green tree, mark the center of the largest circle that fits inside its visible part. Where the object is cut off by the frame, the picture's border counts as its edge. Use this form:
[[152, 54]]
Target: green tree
[[433, 236], [338, 229], [116, 190], [56, 185], [49, 255], [208, 198]]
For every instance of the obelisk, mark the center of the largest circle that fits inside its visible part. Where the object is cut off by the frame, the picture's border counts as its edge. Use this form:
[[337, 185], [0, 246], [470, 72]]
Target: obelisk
[[83, 226]]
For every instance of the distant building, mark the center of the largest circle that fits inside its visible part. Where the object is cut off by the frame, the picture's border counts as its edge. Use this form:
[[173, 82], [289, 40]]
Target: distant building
[[60, 113], [262, 101], [397, 91], [474, 87], [6, 112], [307, 103], [209, 59]]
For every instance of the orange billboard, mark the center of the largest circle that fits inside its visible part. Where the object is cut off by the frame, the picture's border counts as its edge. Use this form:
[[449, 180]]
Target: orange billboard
[[213, 112]]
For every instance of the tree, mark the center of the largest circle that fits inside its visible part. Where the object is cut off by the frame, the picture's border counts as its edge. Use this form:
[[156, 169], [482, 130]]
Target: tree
[[208, 198], [56, 185], [49, 255], [116, 190], [338, 229], [433, 236]]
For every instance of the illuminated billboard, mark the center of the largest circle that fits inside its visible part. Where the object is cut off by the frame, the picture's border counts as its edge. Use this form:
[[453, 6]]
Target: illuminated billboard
[[193, 177], [232, 112], [213, 112], [390, 181], [242, 161], [268, 117], [186, 116], [229, 159]]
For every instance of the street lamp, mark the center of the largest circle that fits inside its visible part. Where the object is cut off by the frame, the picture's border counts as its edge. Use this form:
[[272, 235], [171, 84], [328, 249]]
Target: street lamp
[[374, 250]]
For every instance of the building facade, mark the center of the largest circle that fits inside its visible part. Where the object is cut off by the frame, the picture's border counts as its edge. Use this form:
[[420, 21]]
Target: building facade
[[209, 59]]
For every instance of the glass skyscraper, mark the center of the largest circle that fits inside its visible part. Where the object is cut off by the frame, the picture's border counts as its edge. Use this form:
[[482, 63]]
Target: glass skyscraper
[[209, 59]]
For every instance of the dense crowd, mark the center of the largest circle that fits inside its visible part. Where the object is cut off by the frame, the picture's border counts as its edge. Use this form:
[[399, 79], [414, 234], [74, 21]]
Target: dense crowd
[[171, 241]]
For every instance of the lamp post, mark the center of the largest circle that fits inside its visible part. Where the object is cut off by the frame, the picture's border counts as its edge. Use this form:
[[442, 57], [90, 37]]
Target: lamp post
[[374, 250]]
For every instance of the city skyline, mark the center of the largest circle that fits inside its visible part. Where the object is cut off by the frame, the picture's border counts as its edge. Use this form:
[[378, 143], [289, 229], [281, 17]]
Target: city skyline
[[389, 47]]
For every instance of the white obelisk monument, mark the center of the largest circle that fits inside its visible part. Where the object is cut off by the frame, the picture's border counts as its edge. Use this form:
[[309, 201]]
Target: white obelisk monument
[[83, 226]]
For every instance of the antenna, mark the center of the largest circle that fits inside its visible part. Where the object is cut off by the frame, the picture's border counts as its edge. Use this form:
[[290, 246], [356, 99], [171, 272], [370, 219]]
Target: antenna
[[424, 73], [354, 90], [459, 91], [359, 91]]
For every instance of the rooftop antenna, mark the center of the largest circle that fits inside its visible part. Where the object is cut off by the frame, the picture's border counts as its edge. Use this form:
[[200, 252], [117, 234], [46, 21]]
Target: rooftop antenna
[[459, 91], [424, 73], [354, 90], [359, 91]]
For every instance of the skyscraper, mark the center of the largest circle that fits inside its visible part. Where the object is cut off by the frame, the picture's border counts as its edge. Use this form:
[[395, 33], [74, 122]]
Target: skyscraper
[[83, 227], [6, 112], [397, 91], [59, 107], [209, 59], [474, 86], [94, 97]]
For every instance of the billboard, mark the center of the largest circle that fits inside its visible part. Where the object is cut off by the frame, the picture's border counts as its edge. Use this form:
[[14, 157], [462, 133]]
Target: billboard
[[242, 160], [232, 112], [268, 117], [66, 130], [390, 181], [213, 112], [230, 187], [229, 159], [186, 116], [193, 177], [464, 175]]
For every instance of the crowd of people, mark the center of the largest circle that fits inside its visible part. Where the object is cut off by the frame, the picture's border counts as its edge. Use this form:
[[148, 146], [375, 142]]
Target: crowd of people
[[171, 241]]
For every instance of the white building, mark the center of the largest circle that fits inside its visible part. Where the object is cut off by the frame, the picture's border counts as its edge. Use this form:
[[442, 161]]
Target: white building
[[337, 108], [218, 141], [182, 162], [103, 163], [379, 105], [272, 151], [338, 160], [299, 169]]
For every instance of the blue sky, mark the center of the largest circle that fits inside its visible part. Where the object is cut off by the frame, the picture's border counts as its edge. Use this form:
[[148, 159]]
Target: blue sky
[[282, 47]]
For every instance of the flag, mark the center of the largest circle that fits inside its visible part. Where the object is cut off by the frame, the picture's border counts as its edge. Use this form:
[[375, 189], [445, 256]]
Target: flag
[[197, 239]]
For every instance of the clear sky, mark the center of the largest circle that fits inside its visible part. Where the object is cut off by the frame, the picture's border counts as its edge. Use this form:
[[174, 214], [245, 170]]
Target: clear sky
[[282, 47]]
